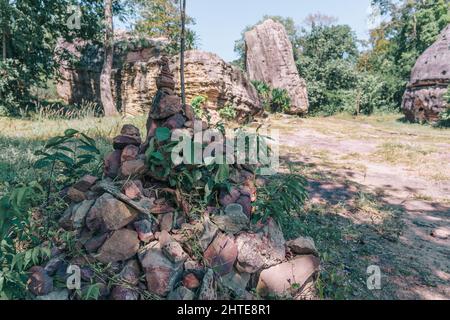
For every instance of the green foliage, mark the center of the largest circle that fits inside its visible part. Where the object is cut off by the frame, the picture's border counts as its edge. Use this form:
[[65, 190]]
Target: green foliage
[[15, 235], [69, 156], [198, 103], [281, 198], [29, 34], [281, 102], [410, 27], [161, 18], [228, 112], [444, 117], [273, 99]]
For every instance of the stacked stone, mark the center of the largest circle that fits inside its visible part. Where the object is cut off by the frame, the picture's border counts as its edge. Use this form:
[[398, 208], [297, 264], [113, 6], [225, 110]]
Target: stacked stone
[[127, 221]]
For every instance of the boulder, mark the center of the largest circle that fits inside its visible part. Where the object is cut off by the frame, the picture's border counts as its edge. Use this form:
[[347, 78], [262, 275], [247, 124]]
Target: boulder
[[122, 293], [430, 78], [39, 282], [132, 190], [122, 141], [85, 183], [129, 153], [233, 221], [76, 195], [160, 272], [112, 164], [288, 277], [208, 290], [121, 246], [260, 250], [174, 252], [221, 254], [113, 213], [303, 246], [79, 213], [94, 243], [208, 75], [133, 168], [270, 58], [236, 282], [130, 273], [144, 228], [181, 294]]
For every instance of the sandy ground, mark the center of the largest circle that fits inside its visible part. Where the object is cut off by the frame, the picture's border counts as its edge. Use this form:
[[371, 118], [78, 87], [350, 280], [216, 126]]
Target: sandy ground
[[406, 165]]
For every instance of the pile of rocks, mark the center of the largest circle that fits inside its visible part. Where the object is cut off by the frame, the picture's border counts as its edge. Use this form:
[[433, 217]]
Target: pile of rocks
[[150, 245]]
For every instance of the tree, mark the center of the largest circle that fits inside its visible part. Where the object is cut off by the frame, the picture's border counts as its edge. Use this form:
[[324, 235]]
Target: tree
[[410, 27], [182, 48], [105, 77], [161, 18], [30, 31]]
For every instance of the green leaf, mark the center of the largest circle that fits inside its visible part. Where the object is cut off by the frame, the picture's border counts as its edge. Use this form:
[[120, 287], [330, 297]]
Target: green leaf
[[42, 163], [162, 134], [89, 148], [223, 173], [70, 132], [157, 155]]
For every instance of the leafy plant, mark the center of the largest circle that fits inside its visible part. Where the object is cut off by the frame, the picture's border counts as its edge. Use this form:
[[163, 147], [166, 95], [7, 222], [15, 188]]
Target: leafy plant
[[198, 103], [282, 196], [16, 245], [228, 112], [281, 102], [69, 156], [444, 117]]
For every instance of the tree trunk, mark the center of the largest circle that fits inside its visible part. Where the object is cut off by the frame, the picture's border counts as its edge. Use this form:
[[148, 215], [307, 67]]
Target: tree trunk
[[105, 77], [182, 49]]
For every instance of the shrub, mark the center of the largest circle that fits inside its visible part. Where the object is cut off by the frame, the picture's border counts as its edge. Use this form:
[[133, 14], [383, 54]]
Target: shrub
[[198, 103], [281, 102], [444, 117], [228, 112]]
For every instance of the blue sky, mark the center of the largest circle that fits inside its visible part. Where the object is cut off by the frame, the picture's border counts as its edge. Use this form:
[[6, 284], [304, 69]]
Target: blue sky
[[220, 23]]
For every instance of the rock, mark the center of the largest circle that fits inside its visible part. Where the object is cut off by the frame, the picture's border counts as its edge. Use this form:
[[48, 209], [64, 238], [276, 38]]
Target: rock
[[303, 246], [206, 74], [121, 246], [87, 274], [144, 228], [131, 190], [122, 141], [209, 232], [174, 252], [55, 296], [133, 168], [93, 244], [160, 208], [114, 213], [65, 222], [270, 58], [79, 214], [129, 153], [112, 164], [175, 122], [208, 290], [130, 130], [260, 250], [287, 277], [135, 81], [181, 294], [122, 293], [424, 98], [226, 198], [166, 222], [190, 281], [54, 264], [160, 272], [221, 254], [165, 106], [233, 221], [39, 282], [76, 195], [85, 183], [236, 282], [246, 204], [130, 273], [193, 266]]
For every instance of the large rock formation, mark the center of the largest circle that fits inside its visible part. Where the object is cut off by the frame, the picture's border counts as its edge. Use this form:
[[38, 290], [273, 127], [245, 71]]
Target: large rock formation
[[270, 59], [208, 75], [135, 72], [430, 78]]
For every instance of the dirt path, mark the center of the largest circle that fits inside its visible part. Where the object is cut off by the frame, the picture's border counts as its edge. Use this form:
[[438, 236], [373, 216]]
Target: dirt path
[[406, 167]]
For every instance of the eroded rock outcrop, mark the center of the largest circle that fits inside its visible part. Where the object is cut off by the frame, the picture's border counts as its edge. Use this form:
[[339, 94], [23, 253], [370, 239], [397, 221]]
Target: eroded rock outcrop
[[424, 97], [135, 73], [270, 58]]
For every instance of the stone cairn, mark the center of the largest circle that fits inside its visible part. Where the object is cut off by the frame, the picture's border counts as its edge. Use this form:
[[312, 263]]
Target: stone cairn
[[130, 222]]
